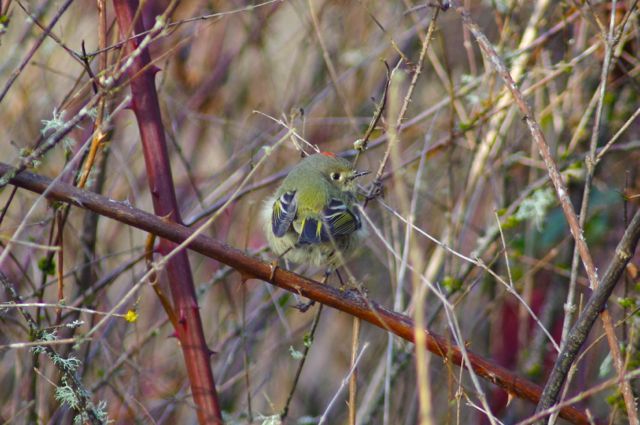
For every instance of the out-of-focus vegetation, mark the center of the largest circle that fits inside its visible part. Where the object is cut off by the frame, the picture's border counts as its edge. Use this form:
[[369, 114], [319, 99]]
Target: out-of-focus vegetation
[[464, 170]]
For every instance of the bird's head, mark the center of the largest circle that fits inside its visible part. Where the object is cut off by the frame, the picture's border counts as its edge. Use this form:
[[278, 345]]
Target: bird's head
[[338, 171]]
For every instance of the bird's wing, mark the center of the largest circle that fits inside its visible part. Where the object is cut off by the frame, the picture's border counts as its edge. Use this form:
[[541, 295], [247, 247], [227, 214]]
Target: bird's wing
[[337, 219], [340, 219], [283, 213]]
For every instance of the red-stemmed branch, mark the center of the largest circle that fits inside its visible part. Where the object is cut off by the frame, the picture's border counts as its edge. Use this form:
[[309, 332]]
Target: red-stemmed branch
[[147, 111], [349, 302]]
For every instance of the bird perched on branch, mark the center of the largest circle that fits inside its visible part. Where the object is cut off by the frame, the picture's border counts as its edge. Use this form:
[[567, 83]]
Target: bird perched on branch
[[312, 218]]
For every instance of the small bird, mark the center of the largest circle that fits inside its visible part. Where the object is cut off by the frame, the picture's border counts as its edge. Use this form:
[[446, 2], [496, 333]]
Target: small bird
[[311, 219]]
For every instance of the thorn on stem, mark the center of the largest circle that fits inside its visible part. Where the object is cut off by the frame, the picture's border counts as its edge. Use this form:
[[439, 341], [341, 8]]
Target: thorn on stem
[[274, 266], [303, 307]]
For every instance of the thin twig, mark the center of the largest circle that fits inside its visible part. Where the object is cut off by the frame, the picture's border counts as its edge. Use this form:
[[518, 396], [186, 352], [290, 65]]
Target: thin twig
[[332, 71], [347, 378], [610, 39], [307, 347], [353, 380], [405, 105], [34, 48]]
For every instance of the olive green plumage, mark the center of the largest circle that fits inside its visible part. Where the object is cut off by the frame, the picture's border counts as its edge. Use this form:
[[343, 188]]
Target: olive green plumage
[[312, 218]]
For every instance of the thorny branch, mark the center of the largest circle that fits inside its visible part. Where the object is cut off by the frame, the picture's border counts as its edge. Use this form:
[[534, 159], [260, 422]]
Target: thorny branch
[[349, 302]]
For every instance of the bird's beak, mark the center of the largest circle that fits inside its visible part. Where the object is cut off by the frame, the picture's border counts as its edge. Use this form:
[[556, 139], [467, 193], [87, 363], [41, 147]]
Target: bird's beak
[[359, 174]]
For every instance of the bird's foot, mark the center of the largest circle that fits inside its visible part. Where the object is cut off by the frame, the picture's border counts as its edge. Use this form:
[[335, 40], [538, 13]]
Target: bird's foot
[[358, 288]]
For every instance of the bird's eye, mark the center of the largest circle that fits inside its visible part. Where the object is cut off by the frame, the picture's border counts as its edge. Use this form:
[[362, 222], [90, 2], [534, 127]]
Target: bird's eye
[[335, 176]]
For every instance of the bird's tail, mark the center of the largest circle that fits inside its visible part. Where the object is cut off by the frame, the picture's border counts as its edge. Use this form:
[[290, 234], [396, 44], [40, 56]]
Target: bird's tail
[[313, 231]]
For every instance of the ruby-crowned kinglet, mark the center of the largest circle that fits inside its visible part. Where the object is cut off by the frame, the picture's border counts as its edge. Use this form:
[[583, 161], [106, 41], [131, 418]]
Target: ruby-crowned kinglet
[[312, 219]]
